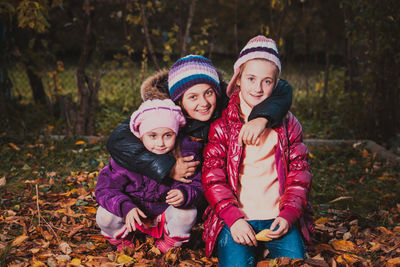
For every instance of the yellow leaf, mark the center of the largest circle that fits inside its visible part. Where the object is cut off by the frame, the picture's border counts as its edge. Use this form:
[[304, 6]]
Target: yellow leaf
[[79, 142], [261, 236], [71, 192], [18, 240], [37, 264], [344, 245], [350, 258], [124, 259], [322, 220], [93, 175], [76, 261], [91, 210], [61, 211]]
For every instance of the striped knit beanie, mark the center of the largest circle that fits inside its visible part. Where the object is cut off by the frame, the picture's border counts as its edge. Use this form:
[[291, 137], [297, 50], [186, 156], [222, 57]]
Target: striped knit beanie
[[189, 71], [258, 47]]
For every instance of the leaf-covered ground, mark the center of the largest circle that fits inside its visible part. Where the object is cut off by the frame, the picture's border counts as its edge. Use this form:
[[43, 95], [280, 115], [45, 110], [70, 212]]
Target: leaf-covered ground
[[47, 215]]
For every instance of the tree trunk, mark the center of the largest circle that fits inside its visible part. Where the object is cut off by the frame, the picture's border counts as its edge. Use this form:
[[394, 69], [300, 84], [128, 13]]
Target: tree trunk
[[326, 76], [87, 88], [147, 34], [37, 87], [188, 25]]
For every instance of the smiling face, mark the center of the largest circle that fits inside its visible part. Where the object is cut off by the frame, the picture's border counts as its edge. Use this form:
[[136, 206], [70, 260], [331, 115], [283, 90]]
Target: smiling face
[[257, 81], [199, 102], [159, 140]]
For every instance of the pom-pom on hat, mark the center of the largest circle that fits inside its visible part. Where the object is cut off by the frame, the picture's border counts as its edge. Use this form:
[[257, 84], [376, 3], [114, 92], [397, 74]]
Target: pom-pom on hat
[[189, 71], [258, 47], [157, 113]]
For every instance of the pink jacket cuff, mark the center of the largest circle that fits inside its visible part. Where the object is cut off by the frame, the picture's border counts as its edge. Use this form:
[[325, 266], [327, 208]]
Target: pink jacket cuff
[[289, 214], [230, 214]]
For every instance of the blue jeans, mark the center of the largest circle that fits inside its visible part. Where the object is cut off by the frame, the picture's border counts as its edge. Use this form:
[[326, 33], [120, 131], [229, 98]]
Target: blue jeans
[[231, 253]]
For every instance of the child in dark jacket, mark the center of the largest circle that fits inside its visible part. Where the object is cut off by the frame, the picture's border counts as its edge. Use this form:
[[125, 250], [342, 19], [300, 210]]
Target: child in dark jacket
[[130, 201], [192, 81]]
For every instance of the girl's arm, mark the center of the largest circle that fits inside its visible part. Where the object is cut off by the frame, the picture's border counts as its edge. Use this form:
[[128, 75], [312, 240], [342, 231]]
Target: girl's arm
[[193, 193], [298, 180], [217, 189], [129, 152], [275, 107], [110, 190]]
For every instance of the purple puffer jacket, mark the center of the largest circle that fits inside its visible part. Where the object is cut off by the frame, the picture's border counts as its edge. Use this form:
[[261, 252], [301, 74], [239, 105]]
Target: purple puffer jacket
[[119, 190]]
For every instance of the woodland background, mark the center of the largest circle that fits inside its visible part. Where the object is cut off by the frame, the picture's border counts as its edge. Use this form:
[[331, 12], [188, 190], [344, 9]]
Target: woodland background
[[74, 69]]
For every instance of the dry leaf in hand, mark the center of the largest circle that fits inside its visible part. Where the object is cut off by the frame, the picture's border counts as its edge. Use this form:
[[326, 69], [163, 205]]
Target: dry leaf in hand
[[261, 236]]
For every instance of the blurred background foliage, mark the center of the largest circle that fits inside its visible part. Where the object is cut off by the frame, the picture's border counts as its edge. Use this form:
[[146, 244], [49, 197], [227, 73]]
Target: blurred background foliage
[[77, 65]]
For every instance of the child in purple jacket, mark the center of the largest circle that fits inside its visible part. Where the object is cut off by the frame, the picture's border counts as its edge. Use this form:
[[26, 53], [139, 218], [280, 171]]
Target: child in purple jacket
[[130, 201]]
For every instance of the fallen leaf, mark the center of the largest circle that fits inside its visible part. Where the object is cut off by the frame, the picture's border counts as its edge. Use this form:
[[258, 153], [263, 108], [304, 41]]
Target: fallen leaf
[[34, 250], [322, 220], [18, 240], [79, 142], [124, 259], [155, 250], [344, 245], [76, 262], [393, 262], [339, 199], [92, 210], [13, 146], [68, 202], [384, 230], [2, 181], [261, 236], [37, 264], [26, 167], [65, 248]]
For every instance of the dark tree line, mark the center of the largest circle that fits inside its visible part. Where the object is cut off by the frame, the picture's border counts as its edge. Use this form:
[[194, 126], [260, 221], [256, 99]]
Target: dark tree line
[[360, 35]]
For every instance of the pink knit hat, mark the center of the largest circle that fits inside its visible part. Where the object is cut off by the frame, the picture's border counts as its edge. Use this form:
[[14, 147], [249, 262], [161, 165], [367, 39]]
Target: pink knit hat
[[258, 47], [157, 113]]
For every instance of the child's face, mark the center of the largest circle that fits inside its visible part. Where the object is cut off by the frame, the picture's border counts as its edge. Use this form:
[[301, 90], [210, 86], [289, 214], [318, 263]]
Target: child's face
[[199, 102], [257, 81], [160, 140]]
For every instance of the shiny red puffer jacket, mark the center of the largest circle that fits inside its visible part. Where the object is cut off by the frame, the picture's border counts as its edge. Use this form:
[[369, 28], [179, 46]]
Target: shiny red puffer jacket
[[220, 178]]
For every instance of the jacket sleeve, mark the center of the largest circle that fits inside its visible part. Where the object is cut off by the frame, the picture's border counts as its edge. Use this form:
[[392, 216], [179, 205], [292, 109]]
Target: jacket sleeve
[[192, 192], [217, 189], [298, 180], [275, 107], [129, 152], [110, 190]]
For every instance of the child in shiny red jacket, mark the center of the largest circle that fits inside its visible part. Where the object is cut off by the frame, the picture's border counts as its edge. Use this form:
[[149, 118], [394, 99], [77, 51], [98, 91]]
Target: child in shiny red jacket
[[254, 187]]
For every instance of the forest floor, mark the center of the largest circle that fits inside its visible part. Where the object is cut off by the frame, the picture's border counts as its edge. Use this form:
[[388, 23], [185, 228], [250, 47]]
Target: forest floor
[[47, 210]]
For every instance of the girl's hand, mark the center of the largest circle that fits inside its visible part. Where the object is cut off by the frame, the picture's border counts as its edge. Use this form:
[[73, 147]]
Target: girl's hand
[[133, 217], [251, 131], [184, 168], [174, 197], [243, 233], [282, 229]]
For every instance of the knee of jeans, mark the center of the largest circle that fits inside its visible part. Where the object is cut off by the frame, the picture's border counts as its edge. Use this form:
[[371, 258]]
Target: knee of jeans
[[185, 215]]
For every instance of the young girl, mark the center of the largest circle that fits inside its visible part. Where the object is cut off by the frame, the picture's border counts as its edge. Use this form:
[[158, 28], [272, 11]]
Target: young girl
[[194, 84], [130, 201], [254, 187]]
